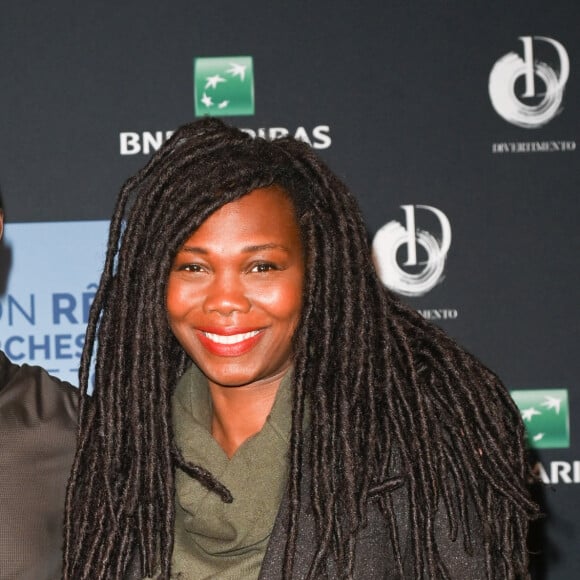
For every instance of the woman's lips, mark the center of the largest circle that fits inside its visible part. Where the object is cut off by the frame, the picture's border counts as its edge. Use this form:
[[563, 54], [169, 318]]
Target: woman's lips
[[228, 343]]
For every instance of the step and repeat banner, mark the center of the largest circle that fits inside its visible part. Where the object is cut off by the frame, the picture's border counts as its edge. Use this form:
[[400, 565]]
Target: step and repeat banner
[[455, 124]]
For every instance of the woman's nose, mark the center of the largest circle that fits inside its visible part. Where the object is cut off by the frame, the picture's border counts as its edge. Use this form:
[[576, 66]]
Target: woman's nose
[[226, 295]]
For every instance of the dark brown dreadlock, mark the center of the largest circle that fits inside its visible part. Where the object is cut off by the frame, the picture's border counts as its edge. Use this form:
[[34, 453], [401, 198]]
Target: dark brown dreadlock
[[382, 378]]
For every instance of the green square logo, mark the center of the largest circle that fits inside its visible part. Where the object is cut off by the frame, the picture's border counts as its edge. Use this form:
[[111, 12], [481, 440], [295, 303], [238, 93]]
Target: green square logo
[[546, 417], [223, 86]]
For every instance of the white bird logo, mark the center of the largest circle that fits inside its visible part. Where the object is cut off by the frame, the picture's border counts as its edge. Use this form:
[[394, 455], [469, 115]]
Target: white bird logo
[[552, 403], [527, 414], [237, 70], [212, 82]]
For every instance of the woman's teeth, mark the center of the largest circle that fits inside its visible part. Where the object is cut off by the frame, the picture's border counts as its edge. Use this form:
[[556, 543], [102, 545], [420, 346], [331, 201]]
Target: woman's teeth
[[232, 338]]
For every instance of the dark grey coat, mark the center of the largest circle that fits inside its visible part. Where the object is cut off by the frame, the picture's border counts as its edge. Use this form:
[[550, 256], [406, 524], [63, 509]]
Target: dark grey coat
[[374, 557]]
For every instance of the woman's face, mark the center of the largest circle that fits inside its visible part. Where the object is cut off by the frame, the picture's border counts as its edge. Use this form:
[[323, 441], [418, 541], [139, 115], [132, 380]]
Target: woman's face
[[234, 293]]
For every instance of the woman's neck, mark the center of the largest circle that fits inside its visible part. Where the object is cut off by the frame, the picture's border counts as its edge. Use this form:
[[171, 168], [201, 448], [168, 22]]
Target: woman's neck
[[238, 413]]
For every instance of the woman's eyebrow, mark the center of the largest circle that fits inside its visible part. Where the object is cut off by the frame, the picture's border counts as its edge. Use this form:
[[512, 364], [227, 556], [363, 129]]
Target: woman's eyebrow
[[246, 249], [193, 250], [260, 247]]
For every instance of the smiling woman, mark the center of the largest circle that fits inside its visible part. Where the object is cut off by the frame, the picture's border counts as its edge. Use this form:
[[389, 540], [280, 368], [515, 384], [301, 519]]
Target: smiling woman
[[263, 407], [233, 301]]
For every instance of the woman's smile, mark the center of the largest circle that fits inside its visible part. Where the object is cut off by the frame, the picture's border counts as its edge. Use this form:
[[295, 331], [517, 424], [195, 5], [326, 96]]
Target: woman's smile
[[230, 338], [225, 344]]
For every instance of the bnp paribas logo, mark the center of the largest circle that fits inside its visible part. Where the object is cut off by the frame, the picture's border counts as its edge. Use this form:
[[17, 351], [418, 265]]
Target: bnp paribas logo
[[546, 417], [223, 86]]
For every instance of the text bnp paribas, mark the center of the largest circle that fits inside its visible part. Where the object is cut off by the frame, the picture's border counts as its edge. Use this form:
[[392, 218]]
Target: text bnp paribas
[[146, 142]]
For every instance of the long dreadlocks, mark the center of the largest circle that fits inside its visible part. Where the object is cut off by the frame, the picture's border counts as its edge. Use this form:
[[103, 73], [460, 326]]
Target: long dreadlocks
[[383, 380]]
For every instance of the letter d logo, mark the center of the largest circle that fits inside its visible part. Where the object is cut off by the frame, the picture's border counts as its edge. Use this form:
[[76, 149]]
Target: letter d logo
[[519, 110], [413, 277]]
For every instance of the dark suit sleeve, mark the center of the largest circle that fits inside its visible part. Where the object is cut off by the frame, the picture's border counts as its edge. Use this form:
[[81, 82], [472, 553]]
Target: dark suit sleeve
[[38, 422]]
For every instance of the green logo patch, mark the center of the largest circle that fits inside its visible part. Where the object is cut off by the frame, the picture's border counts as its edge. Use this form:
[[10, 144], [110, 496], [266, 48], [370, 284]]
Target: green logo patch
[[223, 86], [546, 417]]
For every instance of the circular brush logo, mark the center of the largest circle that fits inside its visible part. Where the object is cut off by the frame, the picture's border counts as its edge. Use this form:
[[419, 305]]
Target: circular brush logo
[[539, 101], [425, 255]]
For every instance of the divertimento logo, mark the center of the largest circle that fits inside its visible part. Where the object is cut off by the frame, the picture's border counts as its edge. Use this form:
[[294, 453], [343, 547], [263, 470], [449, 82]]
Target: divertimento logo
[[539, 99], [418, 273]]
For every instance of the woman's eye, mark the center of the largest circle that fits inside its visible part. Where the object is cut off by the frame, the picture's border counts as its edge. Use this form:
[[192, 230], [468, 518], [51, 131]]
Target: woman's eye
[[190, 268], [264, 267]]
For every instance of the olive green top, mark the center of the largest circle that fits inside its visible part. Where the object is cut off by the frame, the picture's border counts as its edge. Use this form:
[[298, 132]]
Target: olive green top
[[214, 539]]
